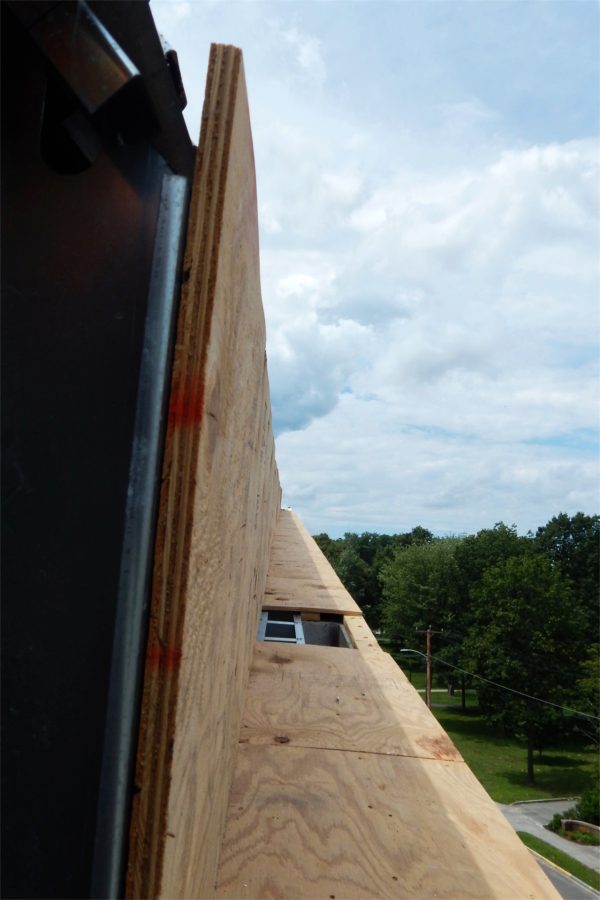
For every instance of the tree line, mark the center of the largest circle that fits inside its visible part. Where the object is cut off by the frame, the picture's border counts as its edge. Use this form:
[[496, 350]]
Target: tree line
[[519, 611]]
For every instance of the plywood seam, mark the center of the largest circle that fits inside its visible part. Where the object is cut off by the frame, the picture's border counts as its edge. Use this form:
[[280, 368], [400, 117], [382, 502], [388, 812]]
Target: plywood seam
[[308, 824], [325, 749]]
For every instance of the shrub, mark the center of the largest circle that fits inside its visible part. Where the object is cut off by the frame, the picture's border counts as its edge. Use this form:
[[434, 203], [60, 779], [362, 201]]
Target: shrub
[[555, 823], [581, 837], [587, 808]]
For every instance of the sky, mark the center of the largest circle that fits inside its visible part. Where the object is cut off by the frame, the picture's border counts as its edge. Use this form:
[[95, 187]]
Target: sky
[[428, 191]]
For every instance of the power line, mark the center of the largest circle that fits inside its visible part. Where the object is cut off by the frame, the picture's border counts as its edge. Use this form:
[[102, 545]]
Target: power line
[[503, 686]]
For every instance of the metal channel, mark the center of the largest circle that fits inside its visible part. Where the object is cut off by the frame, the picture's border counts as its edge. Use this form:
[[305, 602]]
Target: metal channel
[[84, 52], [271, 619], [130, 631], [299, 628], [262, 626]]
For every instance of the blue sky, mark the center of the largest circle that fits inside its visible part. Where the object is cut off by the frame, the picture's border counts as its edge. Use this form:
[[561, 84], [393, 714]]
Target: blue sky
[[428, 188]]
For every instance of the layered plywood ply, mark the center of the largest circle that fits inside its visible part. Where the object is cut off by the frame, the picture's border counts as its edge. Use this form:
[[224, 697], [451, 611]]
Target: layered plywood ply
[[219, 502], [275, 770]]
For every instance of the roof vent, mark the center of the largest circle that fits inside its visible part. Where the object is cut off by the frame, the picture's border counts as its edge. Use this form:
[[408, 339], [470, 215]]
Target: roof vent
[[281, 626]]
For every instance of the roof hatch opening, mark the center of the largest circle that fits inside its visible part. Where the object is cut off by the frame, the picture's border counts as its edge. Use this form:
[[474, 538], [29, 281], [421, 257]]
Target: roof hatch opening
[[290, 628]]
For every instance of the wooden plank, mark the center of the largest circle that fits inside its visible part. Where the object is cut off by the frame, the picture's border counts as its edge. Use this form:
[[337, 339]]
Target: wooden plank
[[361, 636], [300, 577], [333, 698], [218, 507], [307, 823]]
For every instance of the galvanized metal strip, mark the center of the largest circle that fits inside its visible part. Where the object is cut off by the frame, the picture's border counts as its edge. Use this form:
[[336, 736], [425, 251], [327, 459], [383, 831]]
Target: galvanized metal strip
[[138, 545]]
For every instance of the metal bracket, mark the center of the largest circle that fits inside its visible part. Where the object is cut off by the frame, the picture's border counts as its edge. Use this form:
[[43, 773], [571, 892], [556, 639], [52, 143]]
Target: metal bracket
[[281, 627], [84, 52]]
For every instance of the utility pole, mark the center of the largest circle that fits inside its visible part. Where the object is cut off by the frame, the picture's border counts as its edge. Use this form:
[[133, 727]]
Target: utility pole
[[428, 632]]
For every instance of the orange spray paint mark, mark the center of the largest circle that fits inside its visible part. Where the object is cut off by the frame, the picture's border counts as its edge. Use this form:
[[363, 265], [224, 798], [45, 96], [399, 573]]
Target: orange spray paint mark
[[167, 658], [186, 407]]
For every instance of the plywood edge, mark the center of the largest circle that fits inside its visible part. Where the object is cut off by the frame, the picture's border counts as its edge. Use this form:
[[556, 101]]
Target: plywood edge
[[281, 599], [236, 495], [188, 421], [361, 635], [300, 578]]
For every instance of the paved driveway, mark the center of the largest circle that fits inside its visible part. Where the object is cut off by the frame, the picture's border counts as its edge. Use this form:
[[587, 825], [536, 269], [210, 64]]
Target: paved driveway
[[566, 886], [531, 817]]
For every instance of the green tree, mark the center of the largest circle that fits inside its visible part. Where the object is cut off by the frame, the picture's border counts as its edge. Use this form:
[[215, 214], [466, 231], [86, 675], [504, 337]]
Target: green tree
[[420, 535], [421, 588], [528, 631], [330, 547], [359, 560], [376, 550], [588, 695], [572, 544], [479, 552], [354, 572], [587, 809], [475, 554]]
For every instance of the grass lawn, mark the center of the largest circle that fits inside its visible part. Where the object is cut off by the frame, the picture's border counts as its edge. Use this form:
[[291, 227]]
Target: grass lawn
[[439, 694], [500, 762], [584, 873]]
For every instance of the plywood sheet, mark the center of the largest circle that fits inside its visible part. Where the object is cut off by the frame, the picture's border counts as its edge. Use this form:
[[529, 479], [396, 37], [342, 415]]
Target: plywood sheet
[[306, 823], [219, 502], [333, 698], [362, 637], [340, 784], [300, 577]]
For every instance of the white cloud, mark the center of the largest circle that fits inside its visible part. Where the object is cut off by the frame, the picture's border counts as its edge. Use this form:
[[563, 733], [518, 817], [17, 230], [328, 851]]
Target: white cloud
[[308, 55], [463, 114], [429, 257], [371, 216], [268, 221], [345, 185], [477, 279], [173, 12], [368, 472]]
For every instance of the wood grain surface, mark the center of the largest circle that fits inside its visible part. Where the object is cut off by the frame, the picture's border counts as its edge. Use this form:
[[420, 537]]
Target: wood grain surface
[[363, 638], [333, 698], [300, 577], [307, 823], [275, 771], [219, 501]]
